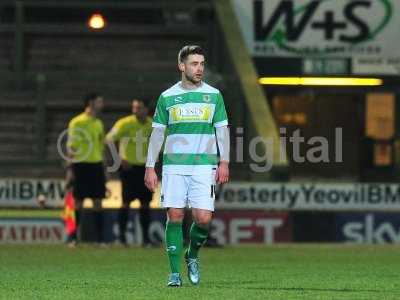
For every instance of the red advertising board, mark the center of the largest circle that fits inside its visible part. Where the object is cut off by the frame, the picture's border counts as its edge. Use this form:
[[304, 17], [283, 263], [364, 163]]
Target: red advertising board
[[251, 226], [229, 227], [31, 231]]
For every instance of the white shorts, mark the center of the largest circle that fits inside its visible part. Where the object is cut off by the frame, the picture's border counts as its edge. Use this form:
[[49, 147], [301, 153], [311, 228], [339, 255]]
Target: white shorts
[[196, 191]]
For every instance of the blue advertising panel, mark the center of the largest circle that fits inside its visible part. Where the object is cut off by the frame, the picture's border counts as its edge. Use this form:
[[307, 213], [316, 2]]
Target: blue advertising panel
[[372, 228]]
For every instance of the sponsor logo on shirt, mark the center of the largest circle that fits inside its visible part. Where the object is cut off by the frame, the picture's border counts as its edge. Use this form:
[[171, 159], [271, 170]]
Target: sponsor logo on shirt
[[194, 113]]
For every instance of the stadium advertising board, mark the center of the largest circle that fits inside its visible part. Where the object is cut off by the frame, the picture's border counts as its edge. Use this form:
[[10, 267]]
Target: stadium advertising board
[[228, 227], [240, 227], [235, 195], [313, 226], [25, 192], [43, 230], [371, 228], [134, 232], [28, 192], [312, 196], [365, 31]]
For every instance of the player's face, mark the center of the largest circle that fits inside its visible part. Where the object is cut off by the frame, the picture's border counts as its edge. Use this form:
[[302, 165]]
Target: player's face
[[193, 68], [139, 109], [98, 104]]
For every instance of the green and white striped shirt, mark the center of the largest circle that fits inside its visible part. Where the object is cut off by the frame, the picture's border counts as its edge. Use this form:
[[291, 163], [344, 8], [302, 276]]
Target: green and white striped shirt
[[190, 117]]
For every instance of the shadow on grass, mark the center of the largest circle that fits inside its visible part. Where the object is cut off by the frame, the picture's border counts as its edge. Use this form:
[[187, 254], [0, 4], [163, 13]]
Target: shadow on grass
[[242, 284], [300, 289]]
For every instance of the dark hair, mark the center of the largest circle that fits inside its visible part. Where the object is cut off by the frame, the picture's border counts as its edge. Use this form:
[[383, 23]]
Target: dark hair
[[140, 101], [89, 98], [187, 50]]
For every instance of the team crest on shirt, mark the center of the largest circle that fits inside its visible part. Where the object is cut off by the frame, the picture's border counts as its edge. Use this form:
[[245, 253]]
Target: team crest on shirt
[[206, 98]]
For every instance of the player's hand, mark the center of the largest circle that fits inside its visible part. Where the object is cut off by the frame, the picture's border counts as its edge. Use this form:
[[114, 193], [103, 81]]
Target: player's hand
[[124, 164], [222, 174], [150, 179]]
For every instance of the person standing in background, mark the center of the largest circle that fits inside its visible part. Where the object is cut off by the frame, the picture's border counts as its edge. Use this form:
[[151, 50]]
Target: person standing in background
[[86, 147], [132, 134]]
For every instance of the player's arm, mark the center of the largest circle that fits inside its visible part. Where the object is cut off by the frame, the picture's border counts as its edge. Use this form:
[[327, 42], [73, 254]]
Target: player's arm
[[223, 140], [72, 140], [112, 141], [220, 122], [160, 121], [114, 135], [155, 144]]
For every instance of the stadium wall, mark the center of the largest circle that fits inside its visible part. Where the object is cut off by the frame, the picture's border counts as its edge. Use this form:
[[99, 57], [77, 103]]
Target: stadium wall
[[229, 227], [263, 213]]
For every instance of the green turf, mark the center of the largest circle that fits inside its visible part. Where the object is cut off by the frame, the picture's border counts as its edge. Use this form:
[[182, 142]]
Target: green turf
[[30, 213], [251, 272]]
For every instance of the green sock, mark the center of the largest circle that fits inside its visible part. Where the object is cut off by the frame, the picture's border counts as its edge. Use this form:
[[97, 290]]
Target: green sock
[[198, 236], [174, 243]]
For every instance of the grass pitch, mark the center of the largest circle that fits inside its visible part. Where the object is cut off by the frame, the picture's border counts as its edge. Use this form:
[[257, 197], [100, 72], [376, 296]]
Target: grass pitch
[[245, 272]]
